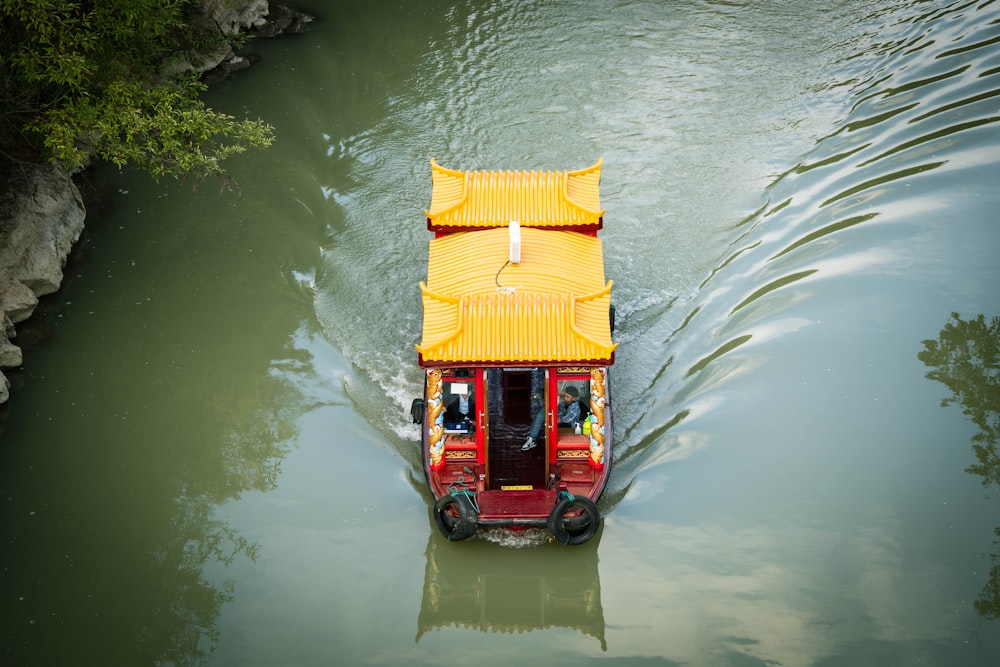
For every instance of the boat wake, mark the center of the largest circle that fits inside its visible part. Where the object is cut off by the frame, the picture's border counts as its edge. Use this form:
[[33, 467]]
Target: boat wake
[[899, 109], [920, 91]]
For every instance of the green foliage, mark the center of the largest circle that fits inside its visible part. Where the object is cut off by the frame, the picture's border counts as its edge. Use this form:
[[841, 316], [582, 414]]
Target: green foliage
[[81, 78], [966, 359], [164, 129]]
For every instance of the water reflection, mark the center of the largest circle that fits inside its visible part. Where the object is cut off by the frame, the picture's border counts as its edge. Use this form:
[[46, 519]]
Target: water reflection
[[966, 359], [183, 628], [491, 588], [113, 523]]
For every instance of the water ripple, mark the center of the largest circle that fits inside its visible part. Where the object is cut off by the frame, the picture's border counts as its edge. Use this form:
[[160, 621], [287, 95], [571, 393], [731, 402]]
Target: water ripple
[[920, 89]]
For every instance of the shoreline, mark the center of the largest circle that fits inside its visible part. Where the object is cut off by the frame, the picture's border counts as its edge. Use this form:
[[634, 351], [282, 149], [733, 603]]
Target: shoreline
[[49, 213]]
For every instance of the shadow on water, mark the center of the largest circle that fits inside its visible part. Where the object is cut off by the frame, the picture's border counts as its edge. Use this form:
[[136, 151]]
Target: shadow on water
[[133, 578], [111, 505], [125, 568], [919, 103], [965, 358], [487, 588]]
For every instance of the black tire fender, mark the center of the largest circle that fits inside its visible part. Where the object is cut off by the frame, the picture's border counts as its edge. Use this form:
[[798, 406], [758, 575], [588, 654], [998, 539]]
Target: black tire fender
[[577, 529], [417, 410], [455, 517]]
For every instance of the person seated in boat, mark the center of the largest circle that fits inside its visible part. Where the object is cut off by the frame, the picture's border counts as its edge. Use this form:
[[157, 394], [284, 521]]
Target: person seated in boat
[[569, 415], [461, 406], [569, 409]]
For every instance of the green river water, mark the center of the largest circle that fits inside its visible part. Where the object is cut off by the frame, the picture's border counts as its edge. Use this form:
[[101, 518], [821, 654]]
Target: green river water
[[207, 458]]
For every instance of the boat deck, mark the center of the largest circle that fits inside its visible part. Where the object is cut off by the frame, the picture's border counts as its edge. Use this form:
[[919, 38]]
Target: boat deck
[[503, 505]]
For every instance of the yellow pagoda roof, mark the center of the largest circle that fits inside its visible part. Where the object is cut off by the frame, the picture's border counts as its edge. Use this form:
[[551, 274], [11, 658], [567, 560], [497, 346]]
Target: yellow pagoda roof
[[552, 306], [552, 199]]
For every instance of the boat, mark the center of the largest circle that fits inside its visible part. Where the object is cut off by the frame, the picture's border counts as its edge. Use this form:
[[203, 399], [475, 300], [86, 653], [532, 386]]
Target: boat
[[516, 349]]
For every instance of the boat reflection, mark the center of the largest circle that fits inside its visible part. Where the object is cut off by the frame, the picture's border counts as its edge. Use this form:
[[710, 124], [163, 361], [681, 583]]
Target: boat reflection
[[491, 588]]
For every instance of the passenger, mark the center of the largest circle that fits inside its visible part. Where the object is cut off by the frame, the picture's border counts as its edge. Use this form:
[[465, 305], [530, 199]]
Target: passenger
[[465, 406], [536, 424], [569, 409], [461, 407], [569, 415]]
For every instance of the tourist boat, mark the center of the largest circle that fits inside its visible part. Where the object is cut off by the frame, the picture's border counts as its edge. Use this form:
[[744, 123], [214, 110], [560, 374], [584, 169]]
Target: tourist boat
[[516, 343]]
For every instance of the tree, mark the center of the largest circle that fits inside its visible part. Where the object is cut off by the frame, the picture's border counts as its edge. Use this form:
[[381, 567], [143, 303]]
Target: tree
[[966, 359], [82, 79]]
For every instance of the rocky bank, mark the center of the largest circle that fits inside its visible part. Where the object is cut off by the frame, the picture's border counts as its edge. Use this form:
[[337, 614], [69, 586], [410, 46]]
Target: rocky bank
[[47, 214]]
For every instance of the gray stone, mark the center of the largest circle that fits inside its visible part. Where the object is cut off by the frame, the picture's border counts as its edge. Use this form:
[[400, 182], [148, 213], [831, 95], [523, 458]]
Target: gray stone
[[17, 301], [47, 225], [37, 233], [10, 354], [46, 218], [232, 17], [282, 20]]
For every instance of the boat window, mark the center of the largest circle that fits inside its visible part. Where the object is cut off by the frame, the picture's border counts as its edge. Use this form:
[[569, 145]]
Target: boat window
[[575, 389], [459, 397]]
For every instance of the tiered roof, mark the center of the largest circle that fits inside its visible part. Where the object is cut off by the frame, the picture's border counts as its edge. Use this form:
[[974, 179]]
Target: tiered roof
[[551, 306], [464, 200]]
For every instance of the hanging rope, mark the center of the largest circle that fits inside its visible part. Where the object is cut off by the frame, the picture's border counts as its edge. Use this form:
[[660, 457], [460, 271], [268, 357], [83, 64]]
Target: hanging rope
[[460, 487], [503, 289]]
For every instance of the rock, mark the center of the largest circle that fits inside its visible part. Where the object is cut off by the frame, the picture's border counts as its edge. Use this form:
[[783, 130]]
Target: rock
[[269, 22], [42, 219], [37, 232], [282, 20], [227, 69], [206, 59], [232, 17], [17, 301], [203, 61], [10, 354], [227, 18], [48, 220], [36, 237]]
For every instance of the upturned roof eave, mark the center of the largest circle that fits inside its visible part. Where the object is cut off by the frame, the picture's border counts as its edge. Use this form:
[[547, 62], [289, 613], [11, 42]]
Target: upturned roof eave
[[462, 200], [509, 363]]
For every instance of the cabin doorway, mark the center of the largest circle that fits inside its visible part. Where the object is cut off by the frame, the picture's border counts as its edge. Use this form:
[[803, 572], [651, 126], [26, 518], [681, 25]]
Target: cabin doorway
[[516, 398]]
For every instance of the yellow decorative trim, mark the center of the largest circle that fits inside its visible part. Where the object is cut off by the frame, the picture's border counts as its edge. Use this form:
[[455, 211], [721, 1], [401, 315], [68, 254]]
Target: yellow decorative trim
[[454, 454], [435, 418], [598, 391], [573, 454]]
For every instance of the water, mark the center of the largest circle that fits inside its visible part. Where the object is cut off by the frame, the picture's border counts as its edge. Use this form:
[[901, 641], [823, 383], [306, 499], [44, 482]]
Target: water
[[208, 460]]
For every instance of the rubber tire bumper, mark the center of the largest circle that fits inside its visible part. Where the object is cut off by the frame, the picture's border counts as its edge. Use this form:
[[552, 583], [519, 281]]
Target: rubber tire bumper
[[455, 517], [574, 530]]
